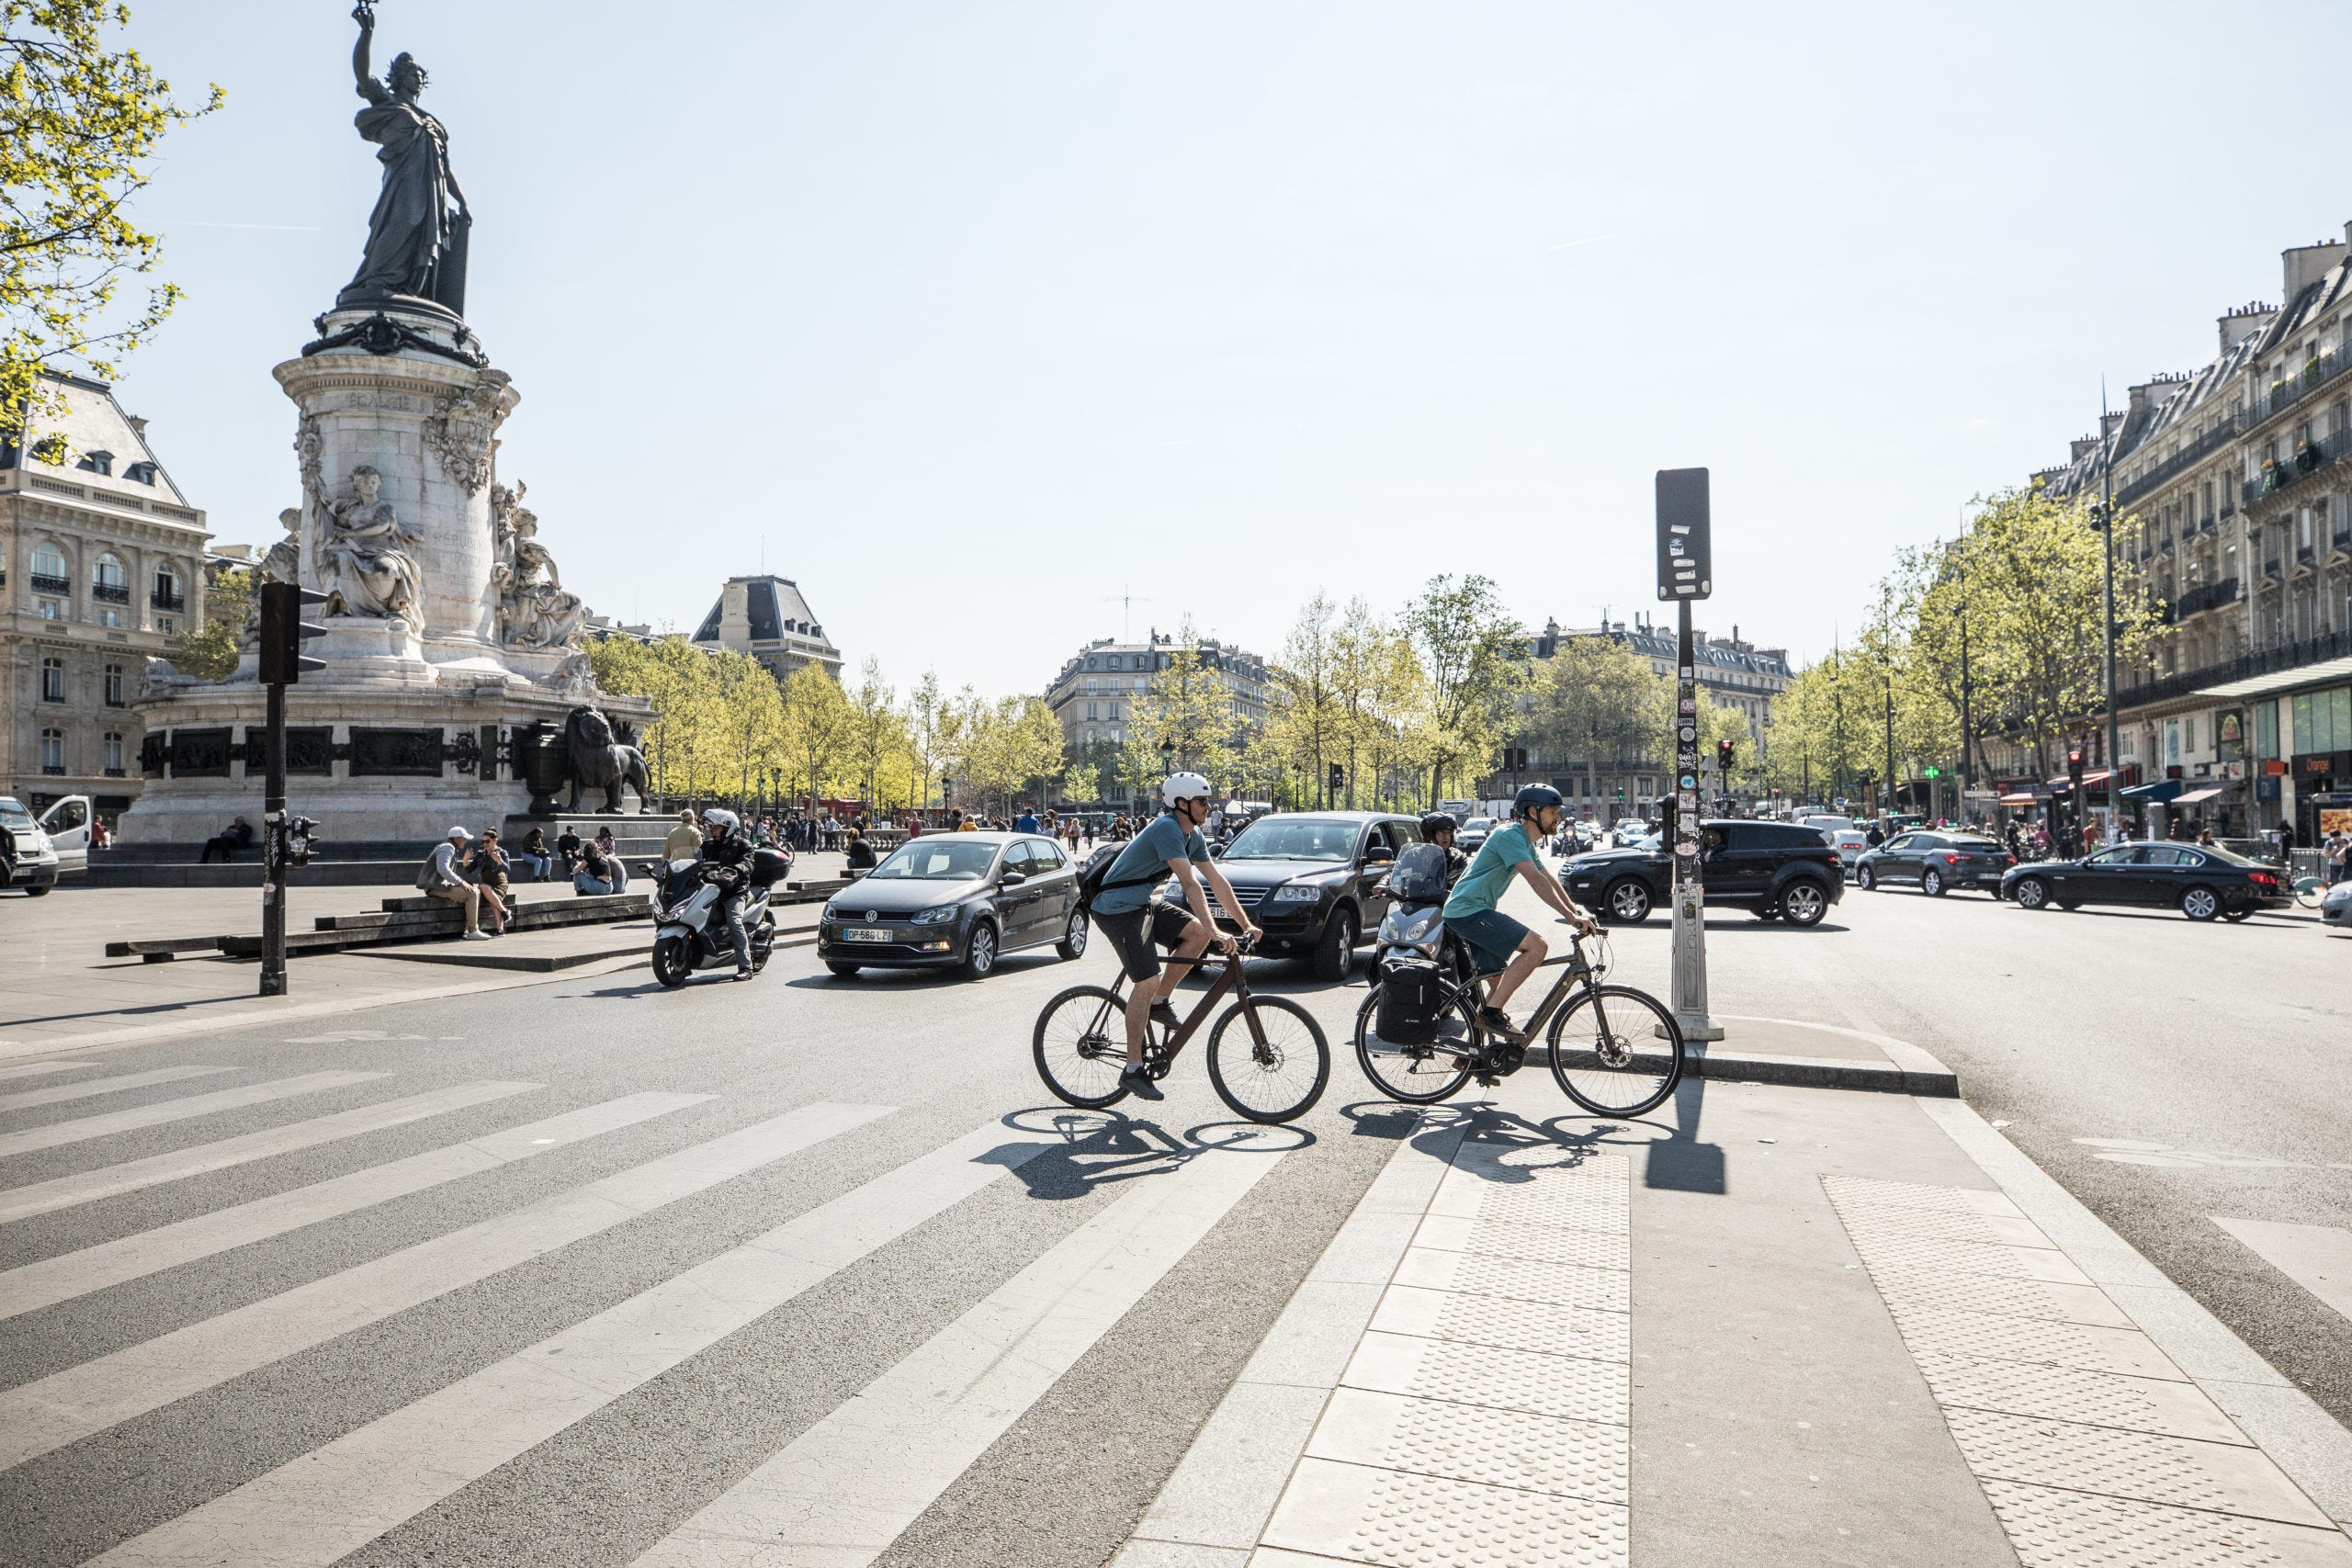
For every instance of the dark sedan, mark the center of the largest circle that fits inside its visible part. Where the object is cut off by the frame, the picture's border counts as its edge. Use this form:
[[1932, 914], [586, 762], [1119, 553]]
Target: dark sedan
[[2200, 882], [954, 900], [1778, 870], [1935, 863], [1307, 880]]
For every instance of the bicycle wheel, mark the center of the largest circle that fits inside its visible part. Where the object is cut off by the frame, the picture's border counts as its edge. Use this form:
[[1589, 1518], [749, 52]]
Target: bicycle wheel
[[1281, 1080], [1080, 1047], [1418, 1072], [1606, 1056]]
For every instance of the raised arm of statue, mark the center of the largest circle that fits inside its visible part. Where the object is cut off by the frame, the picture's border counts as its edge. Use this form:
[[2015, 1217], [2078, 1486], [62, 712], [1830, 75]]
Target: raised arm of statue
[[365, 80]]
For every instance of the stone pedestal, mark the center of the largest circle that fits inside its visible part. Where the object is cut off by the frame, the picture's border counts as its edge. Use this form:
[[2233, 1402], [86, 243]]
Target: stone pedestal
[[415, 723]]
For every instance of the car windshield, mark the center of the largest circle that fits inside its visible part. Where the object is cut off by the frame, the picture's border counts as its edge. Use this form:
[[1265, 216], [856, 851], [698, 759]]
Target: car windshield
[[1482, 824], [1295, 837], [937, 860], [15, 815]]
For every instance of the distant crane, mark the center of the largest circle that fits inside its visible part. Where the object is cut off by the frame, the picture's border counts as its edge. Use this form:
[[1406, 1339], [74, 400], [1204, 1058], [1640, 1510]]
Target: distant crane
[[1126, 602]]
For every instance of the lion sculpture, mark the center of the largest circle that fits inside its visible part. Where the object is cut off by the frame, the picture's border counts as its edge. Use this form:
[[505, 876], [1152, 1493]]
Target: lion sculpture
[[599, 761]]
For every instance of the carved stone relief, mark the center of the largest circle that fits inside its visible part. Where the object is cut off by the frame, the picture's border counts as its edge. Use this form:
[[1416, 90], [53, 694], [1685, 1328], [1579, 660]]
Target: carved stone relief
[[462, 431]]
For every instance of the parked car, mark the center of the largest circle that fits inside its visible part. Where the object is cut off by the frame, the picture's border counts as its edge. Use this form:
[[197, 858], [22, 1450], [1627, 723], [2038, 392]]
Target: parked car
[[33, 865], [2201, 882], [954, 900], [2335, 909], [1306, 879], [1469, 836], [1778, 870], [1935, 863]]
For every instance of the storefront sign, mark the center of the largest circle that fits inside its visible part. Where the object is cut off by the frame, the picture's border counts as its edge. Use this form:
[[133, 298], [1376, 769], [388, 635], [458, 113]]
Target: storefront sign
[[2266, 788], [2229, 733]]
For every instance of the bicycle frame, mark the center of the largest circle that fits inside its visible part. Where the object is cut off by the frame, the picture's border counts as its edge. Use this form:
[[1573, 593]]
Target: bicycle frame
[[1231, 978], [1573, 965]]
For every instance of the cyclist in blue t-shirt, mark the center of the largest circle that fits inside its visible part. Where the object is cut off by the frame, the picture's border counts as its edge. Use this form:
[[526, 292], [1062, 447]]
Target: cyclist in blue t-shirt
[[1497, 941], [1132, 923]]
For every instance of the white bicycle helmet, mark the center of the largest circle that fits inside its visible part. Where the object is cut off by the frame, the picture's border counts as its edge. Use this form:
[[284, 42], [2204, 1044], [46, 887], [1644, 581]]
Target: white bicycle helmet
[[1184, 786]]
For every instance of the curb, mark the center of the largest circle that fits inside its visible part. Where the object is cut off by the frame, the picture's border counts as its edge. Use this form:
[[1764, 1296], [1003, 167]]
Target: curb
[[1932, 1077]]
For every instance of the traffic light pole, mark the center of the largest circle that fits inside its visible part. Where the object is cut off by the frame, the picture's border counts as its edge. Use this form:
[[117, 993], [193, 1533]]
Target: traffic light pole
[[273, 851], [1690, 894]]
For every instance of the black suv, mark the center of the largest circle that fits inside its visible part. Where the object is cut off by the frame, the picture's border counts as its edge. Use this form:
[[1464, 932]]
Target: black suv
[[1306, 878], [1778, 870]]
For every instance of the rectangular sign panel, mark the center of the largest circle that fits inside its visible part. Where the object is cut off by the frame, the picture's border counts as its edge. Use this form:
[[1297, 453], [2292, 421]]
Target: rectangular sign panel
[[1685, 566]]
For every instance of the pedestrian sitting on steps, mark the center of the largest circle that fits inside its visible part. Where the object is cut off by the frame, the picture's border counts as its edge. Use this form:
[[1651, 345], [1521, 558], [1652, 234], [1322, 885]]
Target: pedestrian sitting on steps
[[535, 854], [439, 879], [237, 835], [599, 873]]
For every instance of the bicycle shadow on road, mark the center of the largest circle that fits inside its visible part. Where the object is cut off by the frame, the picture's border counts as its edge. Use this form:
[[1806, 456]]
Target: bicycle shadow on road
[[1097, 1147], [1675, 1158]]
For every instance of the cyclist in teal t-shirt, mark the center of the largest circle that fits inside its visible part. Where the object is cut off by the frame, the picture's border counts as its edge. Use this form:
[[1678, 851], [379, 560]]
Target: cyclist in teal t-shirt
[[1500, 942]]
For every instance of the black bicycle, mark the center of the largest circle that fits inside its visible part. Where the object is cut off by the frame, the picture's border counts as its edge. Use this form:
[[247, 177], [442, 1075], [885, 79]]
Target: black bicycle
[[1267, 1056], [1616, 1051]]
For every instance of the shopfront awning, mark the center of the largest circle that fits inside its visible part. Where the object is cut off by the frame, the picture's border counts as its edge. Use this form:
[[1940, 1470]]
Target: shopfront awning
[[2277, 681], [2061, 785], [2202, 793], [2020, 798], [2156, 793]]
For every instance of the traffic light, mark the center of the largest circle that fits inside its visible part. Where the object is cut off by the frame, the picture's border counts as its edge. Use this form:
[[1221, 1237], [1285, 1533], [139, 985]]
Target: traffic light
[[301, 835], [1338, 777], [283, 632], [1931, 773], [1723, 757], [2075, 764]]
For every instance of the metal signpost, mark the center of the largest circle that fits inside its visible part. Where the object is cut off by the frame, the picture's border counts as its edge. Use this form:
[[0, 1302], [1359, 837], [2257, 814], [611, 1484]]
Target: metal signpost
[[285, 840], [1685, 572]]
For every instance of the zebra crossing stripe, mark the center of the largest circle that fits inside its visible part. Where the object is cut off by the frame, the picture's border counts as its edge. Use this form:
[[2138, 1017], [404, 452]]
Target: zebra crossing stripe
[[107, 1181], [54, 1094], [843, 1490], [335, 1499], [70, 1274], [60, 1132], [34, 1069], [45, 1415]]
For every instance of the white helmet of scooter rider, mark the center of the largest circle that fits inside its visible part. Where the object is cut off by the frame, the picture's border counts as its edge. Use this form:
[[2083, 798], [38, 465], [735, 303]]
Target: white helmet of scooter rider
[[722, 823]]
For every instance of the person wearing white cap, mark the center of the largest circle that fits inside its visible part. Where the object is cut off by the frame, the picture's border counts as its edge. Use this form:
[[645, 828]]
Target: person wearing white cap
[[439, 879]]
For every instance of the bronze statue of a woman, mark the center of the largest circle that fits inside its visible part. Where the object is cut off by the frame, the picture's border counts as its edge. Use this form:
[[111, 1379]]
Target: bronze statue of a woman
[[416, 236]]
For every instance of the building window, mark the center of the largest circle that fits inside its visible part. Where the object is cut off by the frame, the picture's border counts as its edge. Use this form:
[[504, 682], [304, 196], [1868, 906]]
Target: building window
[[114, 685], [96, 463], [53, 679], [52, 751], [140, 473], [165, 624], [1089, 708], [165, 591], [114, 755], [111, 617], [50, 610], [49, 571]]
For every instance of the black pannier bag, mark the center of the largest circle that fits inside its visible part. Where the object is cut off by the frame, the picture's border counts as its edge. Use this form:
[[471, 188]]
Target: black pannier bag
[[1418, 875], [768, 866], [1410, 990]]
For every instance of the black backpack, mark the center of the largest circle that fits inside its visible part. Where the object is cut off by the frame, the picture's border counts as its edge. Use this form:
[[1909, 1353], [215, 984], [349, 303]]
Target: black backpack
[[1091, 876]]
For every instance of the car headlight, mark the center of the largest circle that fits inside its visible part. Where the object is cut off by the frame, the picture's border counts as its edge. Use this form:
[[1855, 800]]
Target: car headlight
[[1293, 893], [937, 915]]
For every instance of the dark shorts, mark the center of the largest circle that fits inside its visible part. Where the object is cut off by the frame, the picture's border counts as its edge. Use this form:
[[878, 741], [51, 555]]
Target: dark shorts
[[1132, 932], [1491, 936]]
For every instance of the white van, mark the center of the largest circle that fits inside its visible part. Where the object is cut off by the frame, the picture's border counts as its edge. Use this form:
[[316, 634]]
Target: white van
[[67, 823]]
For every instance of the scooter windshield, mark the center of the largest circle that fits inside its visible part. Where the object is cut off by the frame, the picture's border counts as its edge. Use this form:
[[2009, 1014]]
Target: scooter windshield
[[1419, 877]]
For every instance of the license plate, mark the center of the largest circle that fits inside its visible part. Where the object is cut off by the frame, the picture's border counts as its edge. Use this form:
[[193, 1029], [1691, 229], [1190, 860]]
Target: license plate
[[865, 933]]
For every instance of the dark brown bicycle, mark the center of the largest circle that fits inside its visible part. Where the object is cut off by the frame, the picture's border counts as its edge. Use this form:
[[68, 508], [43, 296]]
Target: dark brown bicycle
[[1267, 1056]]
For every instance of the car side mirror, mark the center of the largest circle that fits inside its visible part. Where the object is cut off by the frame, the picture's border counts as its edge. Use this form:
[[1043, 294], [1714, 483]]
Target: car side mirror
[[1216, 850], [1012, 879], [1379, 854]]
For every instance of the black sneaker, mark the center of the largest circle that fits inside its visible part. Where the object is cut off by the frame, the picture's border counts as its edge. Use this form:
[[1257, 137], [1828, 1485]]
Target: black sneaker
[[744, 973], [1136, 1080], [1164, 1015], [1497, 1021]]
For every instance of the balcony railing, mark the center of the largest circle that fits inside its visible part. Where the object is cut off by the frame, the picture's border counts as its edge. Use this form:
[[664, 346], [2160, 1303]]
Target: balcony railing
[[2265, 662], [2308, 462], [2196, 451], [2282, 396], [44, 583], [2207, 596], [163, 601], [110, 593]]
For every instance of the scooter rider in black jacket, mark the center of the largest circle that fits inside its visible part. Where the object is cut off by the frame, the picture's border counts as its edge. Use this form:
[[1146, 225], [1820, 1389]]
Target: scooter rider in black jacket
[[727, 853], [1438, 827]]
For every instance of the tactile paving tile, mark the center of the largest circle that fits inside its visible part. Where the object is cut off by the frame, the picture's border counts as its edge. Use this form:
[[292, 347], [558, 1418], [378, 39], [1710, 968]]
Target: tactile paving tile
[[1936, 1255], [1385, 1517], [1543, 1244], [1563, 1284], [1987, 1230], [1486, 1374], [2070, 1393], [1515, 1325], [2052, 1528], [1862, 1191], [2014, 1298], [2141, 1465], [2126, 1351], [1583, 1205], [1496, 1448]]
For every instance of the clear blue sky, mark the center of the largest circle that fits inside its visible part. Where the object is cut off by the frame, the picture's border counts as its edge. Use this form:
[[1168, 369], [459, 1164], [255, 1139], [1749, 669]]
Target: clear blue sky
[[970, 315]]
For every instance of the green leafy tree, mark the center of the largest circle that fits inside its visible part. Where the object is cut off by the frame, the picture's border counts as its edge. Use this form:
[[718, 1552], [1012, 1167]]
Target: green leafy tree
[[1470, 649], [1302, 713], [1597, 704], [818, 727], [209, 652], [1188, 706], [81, 119]]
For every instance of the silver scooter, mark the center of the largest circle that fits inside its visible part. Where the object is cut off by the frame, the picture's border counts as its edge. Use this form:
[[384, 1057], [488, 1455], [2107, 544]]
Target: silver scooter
[[688, 933]]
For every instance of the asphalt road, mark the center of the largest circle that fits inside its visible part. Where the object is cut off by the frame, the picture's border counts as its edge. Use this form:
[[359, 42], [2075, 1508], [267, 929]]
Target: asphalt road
[[2204, 1043]]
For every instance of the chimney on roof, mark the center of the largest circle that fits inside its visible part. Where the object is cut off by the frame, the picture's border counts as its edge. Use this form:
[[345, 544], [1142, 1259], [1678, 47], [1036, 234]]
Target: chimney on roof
[[2078, 447], [138, 425], [2243, 322], [735, 614], [2306, 264]]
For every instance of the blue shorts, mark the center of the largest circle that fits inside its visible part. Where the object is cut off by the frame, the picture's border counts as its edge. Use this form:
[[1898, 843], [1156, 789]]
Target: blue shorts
[[1492, 936]]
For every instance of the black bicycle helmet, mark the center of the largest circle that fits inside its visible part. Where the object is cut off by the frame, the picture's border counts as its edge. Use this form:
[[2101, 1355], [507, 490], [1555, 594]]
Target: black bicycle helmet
[[1534, 797], [1438, 822]]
